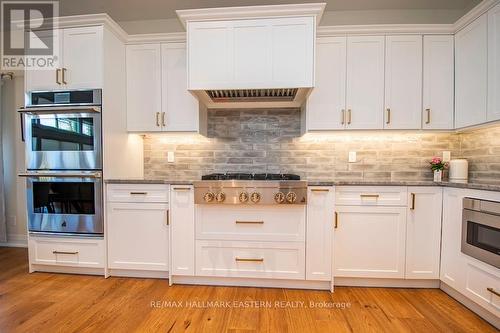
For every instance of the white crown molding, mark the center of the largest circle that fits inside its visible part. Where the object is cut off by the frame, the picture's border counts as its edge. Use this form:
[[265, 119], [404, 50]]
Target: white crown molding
[[250, 12], [178, 37], [93, 19], [474, 13], [384, 29]]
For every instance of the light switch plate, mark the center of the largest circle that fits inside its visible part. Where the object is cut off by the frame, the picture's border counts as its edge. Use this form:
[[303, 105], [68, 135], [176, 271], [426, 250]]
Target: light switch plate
[[352, 157], [170, 157], [446, 156]]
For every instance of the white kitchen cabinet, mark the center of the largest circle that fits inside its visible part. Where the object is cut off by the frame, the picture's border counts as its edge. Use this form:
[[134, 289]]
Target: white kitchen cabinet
[[144, 87], [182, 212], [438, 82], [370, 242], [320, 224], [325, 108], [423, 232], [403, 82], [251, 53], [365, 82], [471, 73], [138, 236], [180, 111], [494, 63], [481, 283], [80, 66]]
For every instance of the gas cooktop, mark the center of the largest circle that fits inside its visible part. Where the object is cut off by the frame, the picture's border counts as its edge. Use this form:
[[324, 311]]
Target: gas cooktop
[[250, 176]]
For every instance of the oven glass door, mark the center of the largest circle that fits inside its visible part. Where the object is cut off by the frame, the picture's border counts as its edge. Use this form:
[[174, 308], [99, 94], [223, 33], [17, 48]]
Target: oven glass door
[[69, 205], [63, 141], [481, 236]]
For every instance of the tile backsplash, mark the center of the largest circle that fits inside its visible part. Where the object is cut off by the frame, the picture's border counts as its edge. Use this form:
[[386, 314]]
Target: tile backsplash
[[270, 141]]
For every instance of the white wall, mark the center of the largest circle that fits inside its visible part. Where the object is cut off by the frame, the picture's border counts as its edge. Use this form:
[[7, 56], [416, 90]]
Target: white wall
[[13, 160]]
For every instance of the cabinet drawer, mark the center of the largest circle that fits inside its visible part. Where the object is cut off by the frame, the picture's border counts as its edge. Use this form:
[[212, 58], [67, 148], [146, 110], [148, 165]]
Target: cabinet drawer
[[75, 252], [283, 260], [138, 193], [275, 223], [478, 281], [371, 195]]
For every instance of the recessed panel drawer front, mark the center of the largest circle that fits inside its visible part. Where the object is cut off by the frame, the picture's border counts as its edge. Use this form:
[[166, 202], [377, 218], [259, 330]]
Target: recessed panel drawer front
[[263, 223], [371, 195], [483, 287], [67, 252], [138, 193], [276, 260]]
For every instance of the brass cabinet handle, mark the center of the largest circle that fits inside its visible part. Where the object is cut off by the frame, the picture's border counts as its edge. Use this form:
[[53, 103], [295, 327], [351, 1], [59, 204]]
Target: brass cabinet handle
[[168, 217], [181, 188], [388, 116], [65, 252], [138, 193], [158, 119], [249, 259], [428, 121], [64, 76], [57, 76], [493, 291], [249, 222], [336, 221], [320, 190], [163, 119], [349, 116], [342, 120], [412, 207], [369, 195]]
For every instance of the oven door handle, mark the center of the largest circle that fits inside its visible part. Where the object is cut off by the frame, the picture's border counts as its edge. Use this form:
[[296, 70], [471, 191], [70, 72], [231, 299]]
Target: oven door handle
[[60, 109], [61, 175]]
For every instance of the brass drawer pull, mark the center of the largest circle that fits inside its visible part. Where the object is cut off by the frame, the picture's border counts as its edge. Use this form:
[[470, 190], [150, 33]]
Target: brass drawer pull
[[369, 195], [388, 116], [64, 76], [181, 188], [158, 119], [249, 259], [138, 193], [64, 252], [336, 223], [168, 217], [412, 207], [493, 291], [343, 117], [349, 116], [428, 121], [320, 190], [163, 119], [249, 222], [57, 76]]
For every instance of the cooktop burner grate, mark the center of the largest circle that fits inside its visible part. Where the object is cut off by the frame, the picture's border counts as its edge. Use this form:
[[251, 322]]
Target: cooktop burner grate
[[249, 176]]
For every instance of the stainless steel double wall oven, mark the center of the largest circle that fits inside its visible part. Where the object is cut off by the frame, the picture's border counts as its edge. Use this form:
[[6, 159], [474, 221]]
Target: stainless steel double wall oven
[[63, 142]]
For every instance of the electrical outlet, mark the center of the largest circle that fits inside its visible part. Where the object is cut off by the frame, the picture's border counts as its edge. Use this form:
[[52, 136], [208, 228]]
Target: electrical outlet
[[446, 156], [352, 157], [170, 157]]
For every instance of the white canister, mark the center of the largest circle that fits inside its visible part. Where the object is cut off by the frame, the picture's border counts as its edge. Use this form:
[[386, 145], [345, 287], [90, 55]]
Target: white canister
[[459, 171]]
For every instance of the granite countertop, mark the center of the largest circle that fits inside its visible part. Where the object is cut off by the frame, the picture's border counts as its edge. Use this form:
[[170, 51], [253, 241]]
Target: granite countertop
[[472, 186]]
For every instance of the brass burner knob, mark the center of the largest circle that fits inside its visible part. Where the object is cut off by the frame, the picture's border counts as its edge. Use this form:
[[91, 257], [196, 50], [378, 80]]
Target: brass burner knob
[[209, 197], [279, 197], [255, 197], [291, 197], [243, 197], [220, 197]]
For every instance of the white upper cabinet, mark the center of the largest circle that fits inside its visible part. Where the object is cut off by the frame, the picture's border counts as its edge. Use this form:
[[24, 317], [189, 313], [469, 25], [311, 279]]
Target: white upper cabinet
[[144, 87], [438, 84], [253, 53], [494, 63], [80, 65], [325, 108], [403, 82], [365, 82], [471, 54]]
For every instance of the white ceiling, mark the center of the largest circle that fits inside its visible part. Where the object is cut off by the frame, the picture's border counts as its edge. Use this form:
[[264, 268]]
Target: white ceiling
[[134, 10]]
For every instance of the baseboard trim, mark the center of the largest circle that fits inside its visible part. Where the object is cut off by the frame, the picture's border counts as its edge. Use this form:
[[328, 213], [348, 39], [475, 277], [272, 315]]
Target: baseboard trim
[[67, 270], [481, 312], [385, 283], [15, 240], [138, 273], [251, 282]]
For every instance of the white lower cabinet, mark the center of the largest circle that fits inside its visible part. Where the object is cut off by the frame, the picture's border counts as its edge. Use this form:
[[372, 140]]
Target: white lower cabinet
[[482, 286], [423, 232], [182, 227], [319, 241], [370, 242]]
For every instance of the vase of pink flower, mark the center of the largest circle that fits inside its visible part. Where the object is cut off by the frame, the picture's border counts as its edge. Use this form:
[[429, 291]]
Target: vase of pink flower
[[437, 165]]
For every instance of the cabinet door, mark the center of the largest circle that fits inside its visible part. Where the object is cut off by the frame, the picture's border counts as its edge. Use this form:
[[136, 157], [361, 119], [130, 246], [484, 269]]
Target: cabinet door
[[182, 217], [370, 242], [403, 82], [326, 103], [180, 108], [365, 82], [438, 85], [423, 232], [138, 236], [471, 54], [143, 87], [83, 57], [319, 243], [46, 79], [494, 63]]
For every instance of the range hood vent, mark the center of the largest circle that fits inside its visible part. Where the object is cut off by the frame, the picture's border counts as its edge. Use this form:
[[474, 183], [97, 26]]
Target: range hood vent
[[252, 95]]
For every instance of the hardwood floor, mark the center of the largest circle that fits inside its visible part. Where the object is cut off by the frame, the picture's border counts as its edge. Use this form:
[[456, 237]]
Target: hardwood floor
[[43, 302]]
